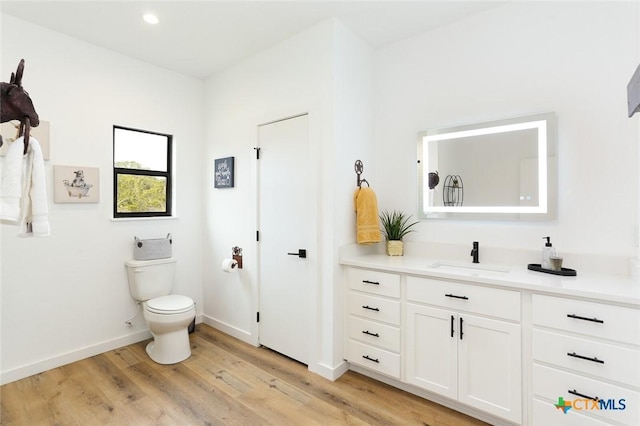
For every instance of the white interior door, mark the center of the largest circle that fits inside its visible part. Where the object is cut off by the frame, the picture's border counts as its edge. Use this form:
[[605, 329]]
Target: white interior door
[[283, 235]]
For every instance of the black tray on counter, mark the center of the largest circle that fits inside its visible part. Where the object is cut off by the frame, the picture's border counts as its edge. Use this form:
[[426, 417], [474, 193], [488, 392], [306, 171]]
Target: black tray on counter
[[564, 272]]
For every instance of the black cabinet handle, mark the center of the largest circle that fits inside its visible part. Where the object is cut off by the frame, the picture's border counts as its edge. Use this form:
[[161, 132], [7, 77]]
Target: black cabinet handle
[[370, 282], [457, 297], [370, 333], [371, 359], [581, 395], [370, 308], [452, 321], [594, 359], [461, 333], [585, 318]]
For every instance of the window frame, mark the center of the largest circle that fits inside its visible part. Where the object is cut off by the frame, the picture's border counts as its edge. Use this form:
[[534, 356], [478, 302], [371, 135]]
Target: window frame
[[168, 175]]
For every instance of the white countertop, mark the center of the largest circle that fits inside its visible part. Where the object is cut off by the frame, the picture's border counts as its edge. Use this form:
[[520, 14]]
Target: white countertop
[[598, 287]]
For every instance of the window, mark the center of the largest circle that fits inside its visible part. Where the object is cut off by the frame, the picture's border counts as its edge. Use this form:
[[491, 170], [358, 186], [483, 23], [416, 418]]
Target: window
[[141, 173]]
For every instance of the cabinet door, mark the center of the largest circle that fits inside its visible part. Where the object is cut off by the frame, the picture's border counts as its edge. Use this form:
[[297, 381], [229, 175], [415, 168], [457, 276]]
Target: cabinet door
[[489, 366], [431, 355]]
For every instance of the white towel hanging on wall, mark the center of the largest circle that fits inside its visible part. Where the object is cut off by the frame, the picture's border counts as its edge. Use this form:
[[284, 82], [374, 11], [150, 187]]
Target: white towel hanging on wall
[[11, 185], [23, 196]]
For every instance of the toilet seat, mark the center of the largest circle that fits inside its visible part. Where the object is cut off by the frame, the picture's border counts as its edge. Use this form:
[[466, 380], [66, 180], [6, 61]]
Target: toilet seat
[[169, 305]]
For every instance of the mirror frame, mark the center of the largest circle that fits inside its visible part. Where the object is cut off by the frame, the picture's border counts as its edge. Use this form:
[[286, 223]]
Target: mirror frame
[[546, 125]]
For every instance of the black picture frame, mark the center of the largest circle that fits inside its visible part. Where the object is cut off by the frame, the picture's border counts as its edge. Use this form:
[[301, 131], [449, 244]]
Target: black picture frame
[[223, 172]]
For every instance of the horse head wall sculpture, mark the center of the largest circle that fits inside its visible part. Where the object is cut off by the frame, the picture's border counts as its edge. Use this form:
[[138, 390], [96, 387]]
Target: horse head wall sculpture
[[15, 104]]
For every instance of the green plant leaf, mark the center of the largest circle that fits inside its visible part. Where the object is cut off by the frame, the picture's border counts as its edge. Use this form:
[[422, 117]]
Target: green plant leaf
[[395, 225]]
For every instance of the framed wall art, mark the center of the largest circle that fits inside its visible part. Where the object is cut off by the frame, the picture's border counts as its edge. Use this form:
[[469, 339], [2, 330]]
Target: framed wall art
[[223, 172], [76, 184]]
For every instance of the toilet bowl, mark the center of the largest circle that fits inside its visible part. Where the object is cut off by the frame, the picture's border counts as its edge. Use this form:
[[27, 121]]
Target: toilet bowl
[[167, 315], [168, 318]]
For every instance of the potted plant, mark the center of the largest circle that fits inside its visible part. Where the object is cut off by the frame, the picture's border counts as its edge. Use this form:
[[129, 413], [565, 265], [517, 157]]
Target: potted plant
[[395, 225]]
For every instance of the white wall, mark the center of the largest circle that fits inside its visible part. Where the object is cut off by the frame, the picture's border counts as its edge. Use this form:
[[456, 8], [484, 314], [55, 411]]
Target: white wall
[[571, 58], [354, 110], [325, 71], [66, 296]]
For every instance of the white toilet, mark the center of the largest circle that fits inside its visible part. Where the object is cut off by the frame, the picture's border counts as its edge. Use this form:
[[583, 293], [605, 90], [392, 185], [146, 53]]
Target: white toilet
[[168, 315]]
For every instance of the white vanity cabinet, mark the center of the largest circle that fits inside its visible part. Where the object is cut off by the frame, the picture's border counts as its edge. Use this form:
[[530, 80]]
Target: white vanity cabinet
[[463, 341], [588, 354], [501, 347], [373, 320]]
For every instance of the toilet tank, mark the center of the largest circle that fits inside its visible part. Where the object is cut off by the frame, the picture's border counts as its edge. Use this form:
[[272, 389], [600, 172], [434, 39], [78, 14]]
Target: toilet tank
[[150, 278]]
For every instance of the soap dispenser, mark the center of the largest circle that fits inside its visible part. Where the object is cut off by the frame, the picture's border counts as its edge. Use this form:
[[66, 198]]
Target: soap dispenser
[[547, 252]]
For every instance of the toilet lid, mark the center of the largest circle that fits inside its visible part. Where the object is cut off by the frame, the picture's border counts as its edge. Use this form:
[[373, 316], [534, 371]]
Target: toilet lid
[[172, 304]]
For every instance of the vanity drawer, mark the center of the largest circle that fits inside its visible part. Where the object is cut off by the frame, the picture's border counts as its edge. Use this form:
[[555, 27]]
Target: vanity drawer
[[594, 319], [471, 298], [374, 307], [618, 404], [374, 333], [599, 359], [374, 358], [545, 413], [382, 283]]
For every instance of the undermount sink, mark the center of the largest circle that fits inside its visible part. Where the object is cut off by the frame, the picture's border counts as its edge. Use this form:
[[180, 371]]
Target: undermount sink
[[468, 267]]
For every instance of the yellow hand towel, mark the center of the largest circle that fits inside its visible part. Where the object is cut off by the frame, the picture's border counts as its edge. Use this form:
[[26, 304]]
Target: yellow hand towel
[[367, 227]]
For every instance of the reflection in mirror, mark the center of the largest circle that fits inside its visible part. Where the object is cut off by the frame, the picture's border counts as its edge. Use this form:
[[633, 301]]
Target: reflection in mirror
[[502, 169]]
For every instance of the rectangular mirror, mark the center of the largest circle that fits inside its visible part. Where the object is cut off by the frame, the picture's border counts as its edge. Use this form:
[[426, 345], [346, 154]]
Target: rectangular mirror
[[497, 170]]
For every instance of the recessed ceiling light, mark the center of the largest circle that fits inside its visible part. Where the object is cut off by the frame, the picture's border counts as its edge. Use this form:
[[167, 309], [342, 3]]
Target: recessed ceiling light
[[150, 18]]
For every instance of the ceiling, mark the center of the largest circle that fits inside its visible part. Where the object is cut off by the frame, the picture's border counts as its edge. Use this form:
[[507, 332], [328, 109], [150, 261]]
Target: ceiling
[[199, 38]]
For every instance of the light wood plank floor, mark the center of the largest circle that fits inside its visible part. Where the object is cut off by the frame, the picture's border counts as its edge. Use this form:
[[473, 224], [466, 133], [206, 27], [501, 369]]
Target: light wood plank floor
[[224, 382]]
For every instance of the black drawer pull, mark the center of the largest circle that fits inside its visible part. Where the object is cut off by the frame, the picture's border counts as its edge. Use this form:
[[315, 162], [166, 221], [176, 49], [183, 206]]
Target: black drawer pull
[[457, 297], [581, 395], [370, 282], [370, 308], [370, 359], [594, 359], [585, 318], [370, 333]]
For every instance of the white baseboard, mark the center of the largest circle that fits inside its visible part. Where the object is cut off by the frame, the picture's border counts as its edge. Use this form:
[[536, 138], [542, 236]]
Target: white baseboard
[[73, 356], [330, 373], [238, 333]]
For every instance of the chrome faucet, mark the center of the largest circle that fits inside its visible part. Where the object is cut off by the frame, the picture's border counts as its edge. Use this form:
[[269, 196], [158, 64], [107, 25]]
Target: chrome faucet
[[475, 252]]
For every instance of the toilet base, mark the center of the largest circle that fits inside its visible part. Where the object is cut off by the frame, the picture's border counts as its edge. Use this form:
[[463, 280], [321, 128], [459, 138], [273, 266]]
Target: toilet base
[[170, 348]]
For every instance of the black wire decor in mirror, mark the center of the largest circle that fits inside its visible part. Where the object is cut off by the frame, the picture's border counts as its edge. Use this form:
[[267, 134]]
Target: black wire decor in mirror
[[453, 191]]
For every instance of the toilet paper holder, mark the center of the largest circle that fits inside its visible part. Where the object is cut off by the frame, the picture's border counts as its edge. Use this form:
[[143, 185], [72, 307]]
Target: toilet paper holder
[[236, 254]]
